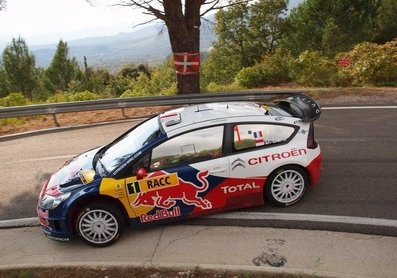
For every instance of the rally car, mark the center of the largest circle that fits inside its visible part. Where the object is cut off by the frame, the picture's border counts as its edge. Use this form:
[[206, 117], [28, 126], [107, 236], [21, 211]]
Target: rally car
[[185, 163]]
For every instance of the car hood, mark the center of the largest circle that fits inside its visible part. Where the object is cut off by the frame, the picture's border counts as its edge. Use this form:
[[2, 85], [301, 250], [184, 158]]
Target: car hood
[[78, 171]]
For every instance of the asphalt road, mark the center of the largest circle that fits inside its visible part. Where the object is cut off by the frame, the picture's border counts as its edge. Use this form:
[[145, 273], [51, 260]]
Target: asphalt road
[[359, 172]]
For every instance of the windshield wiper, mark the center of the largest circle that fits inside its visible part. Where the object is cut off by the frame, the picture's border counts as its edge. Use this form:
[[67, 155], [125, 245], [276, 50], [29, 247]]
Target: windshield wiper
[[103, 167]]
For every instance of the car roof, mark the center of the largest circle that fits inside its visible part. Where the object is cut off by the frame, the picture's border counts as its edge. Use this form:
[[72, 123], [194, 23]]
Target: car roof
[[208, 112]]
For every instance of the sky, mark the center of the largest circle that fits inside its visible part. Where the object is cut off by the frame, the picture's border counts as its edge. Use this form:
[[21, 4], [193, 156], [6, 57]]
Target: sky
[[47, 21], [42, 22]]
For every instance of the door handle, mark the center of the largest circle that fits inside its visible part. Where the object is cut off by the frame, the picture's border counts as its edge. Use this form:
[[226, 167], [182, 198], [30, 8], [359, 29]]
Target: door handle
[[217, 170]]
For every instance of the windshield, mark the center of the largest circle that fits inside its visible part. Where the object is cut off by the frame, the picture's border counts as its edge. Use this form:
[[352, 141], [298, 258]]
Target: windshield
[[129, 144]]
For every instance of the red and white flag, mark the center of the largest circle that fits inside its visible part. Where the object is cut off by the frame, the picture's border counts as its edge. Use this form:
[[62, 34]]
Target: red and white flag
[[187, 63]]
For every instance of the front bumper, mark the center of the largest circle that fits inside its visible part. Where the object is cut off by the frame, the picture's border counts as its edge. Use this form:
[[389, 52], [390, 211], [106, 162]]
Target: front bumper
[[54, 227]]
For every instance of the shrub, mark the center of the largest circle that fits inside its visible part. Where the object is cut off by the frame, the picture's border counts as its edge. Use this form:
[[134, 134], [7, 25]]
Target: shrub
[[68, 97], [59, 97], [313, 69], [213, 87], [273, 70], [251, 76], [371, 64], [86, 95], [14, 99]]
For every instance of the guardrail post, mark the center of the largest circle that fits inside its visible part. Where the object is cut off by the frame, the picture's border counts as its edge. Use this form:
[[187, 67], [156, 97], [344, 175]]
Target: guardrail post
[[123, 112], [54, 117]]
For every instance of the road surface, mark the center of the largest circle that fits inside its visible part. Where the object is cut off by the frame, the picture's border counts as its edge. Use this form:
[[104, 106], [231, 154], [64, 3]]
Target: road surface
[[359, 174]]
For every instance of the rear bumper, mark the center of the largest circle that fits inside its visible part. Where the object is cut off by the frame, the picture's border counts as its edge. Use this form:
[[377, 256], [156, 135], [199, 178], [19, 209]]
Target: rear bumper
[[314, 169]]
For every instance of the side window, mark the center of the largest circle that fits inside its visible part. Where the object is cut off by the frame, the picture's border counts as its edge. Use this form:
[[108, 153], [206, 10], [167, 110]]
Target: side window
[[248, 136], [188, 148], [143, 162]]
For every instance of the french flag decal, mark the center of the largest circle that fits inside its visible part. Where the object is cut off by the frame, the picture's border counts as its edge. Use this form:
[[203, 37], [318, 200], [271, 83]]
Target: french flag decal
[[258, 135]]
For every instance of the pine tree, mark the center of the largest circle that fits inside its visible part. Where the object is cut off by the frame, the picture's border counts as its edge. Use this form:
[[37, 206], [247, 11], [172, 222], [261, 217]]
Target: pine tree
[[19, 68], [62, 69]]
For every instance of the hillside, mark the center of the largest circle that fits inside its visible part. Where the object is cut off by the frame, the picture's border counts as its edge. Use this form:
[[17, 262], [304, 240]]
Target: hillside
[[149, 44]]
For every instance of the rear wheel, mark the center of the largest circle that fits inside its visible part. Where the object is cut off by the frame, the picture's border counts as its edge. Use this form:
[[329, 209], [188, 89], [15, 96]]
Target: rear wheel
[[286, 186], [99, 224]]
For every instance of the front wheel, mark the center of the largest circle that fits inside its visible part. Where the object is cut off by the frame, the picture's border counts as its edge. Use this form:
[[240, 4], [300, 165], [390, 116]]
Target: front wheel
[[286, 186], [99, 225]]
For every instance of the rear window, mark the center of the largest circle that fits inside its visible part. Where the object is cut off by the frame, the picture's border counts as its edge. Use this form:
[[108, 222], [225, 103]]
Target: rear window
[[278, 111], [247, 136]]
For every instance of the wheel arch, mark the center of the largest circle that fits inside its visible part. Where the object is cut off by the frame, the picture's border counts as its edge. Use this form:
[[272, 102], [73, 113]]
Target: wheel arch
[[75, 209], [293, 165], [303, 168]]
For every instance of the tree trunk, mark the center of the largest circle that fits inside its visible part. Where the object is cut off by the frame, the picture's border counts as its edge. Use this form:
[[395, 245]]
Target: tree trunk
[[184, 33]]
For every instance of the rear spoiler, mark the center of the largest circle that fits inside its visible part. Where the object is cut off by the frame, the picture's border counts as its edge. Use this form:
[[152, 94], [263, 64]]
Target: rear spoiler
[[302, 107]]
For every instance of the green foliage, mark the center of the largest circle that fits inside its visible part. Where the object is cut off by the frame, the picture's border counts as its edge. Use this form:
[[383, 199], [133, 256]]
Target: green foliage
[[94, 80], [245, 34], [160, 82], [19, 68], [267, 24], [86, 95], [214, 88], [273, 70], [62, 69], [330, 26], [220, 67], [251, 77], [4, 83], [386, 21], [69, 97], [313, 69], [132, 71], [59, 97], [14, 99], [117, 86], [371, 64]]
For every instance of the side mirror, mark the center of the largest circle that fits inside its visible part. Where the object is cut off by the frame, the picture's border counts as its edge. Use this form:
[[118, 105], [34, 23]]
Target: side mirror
[[141, 174]]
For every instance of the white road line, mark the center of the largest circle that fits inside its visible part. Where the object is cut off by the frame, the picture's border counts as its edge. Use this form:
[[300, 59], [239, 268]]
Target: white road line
[[357, 107], [51, 158], [306, 217]]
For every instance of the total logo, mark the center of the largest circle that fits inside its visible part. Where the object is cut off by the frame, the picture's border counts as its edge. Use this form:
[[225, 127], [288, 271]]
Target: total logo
[[239, 188]]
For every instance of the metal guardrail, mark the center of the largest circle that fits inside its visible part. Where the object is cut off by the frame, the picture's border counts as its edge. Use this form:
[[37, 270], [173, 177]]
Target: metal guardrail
[[122, 103]]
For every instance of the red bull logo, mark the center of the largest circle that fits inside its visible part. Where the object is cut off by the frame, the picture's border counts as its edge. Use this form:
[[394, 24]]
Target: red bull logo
[[43, 217], [160, 215], [166, 196]]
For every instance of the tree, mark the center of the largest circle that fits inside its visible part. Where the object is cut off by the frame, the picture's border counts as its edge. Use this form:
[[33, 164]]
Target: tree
[[268, 24], [183, 22], [330, 26], [62, 69], [133, 71], [246, 33], [19, 67], [4, 84], [386, 21]]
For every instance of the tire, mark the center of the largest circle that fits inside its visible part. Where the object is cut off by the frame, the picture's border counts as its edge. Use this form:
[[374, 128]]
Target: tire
[[99, 225], [286, 186]]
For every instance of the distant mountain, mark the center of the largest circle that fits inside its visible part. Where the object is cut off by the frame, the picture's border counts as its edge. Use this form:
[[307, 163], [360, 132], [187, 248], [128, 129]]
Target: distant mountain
[[149, 44]]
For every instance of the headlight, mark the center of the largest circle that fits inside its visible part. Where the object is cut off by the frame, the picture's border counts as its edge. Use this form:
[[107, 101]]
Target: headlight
[[51, 202]]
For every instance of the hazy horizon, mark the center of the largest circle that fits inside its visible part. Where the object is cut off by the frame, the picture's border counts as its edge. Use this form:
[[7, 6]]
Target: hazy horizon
[[91, 21]]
